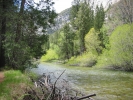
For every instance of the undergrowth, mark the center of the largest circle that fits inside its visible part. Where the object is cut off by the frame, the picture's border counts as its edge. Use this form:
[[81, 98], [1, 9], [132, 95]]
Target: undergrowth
[[14, 85], [86, 59]]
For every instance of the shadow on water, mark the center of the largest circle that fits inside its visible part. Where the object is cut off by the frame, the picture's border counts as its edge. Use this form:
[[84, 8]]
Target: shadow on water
[[107, 84]]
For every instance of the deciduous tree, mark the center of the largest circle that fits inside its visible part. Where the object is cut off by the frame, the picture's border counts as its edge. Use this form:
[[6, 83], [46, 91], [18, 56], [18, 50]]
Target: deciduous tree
[[121, 50], [126, 8], [92, 42]]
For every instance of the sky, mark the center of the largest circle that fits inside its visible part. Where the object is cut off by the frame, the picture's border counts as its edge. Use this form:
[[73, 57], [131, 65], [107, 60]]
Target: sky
[[60, 5]]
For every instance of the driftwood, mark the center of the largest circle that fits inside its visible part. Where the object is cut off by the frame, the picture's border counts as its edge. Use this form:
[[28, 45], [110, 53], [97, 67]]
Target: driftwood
[[88, 96], [51, 90]]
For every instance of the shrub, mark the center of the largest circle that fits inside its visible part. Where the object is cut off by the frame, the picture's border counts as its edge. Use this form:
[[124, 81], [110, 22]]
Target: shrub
[[87, 59], [92, 42], [50, 55], [120, 54]]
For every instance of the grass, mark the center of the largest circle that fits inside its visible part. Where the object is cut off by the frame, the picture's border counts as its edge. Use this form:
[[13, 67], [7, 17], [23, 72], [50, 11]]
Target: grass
[[87, 59], [14, 85]]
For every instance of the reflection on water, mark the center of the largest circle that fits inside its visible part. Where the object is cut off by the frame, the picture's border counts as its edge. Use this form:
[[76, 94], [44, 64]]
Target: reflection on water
[[108, 85]]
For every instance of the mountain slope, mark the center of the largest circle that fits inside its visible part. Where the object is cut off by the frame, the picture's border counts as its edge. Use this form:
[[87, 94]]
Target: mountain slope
[[60, 21]]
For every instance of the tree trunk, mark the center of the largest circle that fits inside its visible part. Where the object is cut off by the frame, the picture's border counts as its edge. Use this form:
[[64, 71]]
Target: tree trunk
[[3, 31]]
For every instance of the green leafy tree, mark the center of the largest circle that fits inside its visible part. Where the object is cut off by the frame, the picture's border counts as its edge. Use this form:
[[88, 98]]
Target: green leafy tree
[[121, 51], [50, 55], [84, 24], [92, 42], [62, 42]]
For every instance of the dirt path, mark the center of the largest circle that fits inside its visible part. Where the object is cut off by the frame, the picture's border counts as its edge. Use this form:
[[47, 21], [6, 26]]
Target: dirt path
[[1, 76]]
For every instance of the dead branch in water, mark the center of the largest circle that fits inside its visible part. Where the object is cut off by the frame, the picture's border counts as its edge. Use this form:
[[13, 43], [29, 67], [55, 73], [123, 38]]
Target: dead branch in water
[[59, 89]]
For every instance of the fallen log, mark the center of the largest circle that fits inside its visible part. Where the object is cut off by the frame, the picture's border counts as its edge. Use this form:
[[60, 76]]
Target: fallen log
[[88, 96], [60, 90]]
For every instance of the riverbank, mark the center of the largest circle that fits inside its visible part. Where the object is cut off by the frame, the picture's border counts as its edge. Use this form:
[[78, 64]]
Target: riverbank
[[84, 60], [107, 84], [14, 84]]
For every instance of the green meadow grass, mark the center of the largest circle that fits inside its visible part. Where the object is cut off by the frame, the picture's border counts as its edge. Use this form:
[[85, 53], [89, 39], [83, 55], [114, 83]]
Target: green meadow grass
[[14, 85]]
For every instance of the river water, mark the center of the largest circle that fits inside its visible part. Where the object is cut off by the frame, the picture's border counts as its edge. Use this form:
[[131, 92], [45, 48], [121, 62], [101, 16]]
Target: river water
[[106, 84]]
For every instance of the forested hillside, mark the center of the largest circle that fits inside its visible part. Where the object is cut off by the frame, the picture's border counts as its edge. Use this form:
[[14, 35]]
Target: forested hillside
[[95, 37]]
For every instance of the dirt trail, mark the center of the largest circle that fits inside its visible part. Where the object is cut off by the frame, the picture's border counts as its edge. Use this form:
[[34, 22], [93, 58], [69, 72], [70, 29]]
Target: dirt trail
[[1, 76]]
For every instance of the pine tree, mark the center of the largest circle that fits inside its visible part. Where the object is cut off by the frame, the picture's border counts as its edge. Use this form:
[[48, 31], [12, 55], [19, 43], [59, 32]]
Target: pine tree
[[4, 8], [74, 11], [67, 44], [84, 23], [20, 21], [99, 17]]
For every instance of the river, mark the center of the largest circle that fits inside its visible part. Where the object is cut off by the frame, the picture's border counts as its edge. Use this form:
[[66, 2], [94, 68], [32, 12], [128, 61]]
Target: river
[[106, 84]]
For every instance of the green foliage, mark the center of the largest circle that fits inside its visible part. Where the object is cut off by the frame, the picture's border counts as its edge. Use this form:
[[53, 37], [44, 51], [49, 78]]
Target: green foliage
[[87, 59], [104, 59], [55, 41], [63, 42], [67, 44], [40, 45], [14, 85], [50, 55], [120, 54], [76, 44], [92, 42], [25, 49], [84, 23], [104, 38], [99, 17], [121, 50], [21, 40], [16, 53], [73, 12]]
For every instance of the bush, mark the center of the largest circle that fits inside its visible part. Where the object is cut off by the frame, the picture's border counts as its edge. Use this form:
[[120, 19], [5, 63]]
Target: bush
[[50, 55], [104, 59], [120, 54], [92, 42], [86, 59]]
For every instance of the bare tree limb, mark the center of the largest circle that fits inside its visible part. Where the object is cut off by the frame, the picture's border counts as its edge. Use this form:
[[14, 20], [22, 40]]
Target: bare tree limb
[[86, 96]]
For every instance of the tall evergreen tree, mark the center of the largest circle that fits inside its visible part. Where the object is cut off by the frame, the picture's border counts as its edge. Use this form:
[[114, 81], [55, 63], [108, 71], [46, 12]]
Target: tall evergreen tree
[[84, 23], [74, 11], [21, 35], [67, 44], [2, 33], [99, 17], [4, 9]]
